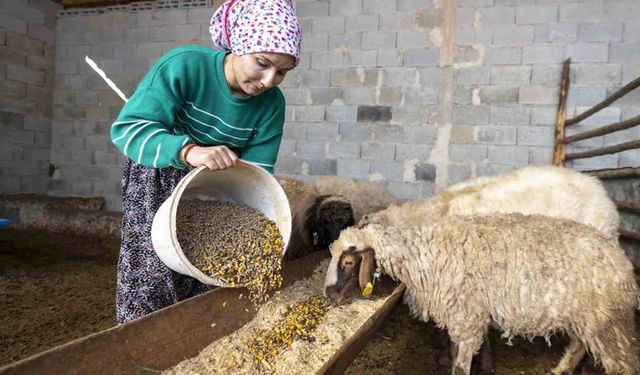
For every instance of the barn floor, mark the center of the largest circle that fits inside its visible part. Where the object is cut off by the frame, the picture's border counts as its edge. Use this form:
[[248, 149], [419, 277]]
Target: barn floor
[[55, 288]]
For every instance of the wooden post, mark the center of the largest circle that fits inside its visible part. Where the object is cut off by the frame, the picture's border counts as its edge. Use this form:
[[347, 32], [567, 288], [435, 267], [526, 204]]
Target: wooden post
[[559, 145]]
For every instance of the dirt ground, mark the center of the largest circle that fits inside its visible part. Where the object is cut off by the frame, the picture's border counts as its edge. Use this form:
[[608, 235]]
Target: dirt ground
[[53, 288]]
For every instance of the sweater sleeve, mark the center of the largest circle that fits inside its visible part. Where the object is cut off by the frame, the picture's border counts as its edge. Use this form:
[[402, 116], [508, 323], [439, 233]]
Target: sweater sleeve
[[263, 148], [144, 130]]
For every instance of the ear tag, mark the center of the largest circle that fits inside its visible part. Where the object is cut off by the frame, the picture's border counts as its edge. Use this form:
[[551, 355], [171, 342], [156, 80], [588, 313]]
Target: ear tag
[[367, 289], [376, 276], [315, 238]]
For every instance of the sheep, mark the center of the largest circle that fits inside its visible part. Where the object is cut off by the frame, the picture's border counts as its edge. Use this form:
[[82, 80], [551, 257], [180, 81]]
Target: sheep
[[316, 219], [544, 190], [531, 275]]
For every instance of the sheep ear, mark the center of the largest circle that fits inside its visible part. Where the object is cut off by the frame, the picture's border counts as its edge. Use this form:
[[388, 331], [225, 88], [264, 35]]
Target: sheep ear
[[367, 268]]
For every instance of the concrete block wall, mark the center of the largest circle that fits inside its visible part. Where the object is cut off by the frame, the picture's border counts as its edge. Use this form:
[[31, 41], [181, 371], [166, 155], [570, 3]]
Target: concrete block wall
[[27, 44], [410, 94]]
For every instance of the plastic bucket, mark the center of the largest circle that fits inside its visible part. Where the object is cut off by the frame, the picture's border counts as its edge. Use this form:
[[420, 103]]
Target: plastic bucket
[[245, 183]]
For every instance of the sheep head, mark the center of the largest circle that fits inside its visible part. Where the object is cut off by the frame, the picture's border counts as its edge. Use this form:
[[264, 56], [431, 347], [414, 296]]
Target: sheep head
[[331, 214], [352, 265]]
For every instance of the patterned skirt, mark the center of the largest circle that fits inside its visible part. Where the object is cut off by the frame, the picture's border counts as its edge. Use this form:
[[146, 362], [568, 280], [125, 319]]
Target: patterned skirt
[[144, 283]]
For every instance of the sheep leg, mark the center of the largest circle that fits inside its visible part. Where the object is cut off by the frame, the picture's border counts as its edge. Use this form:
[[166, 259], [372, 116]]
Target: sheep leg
[[571, 358], [462, 363]]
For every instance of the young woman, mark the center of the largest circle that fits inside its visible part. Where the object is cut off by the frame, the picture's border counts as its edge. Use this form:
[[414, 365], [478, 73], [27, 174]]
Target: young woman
[[198, 106]]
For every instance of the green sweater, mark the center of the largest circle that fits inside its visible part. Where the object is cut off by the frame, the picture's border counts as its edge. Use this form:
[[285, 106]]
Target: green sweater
[[184, 99]]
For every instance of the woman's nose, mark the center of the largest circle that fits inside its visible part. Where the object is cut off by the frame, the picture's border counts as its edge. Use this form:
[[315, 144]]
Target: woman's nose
[[269, 79]]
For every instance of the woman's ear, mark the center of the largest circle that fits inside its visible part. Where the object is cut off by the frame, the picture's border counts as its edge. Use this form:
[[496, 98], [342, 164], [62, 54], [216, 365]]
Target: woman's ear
[[367, 268]]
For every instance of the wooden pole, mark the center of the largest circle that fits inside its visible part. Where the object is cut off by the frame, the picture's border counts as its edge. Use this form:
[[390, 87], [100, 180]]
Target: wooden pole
[[604, 151], [629, 235], [615, 96], [612, 173], [627, 206], [559, 149], [630, 123]]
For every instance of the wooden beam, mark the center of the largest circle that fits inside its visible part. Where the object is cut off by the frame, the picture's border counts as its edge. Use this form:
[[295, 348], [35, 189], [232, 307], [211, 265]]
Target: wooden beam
[[559, 149], [627, 206], [630, 123], [604, 150], [612, 173], [603, 104], [629, 235]]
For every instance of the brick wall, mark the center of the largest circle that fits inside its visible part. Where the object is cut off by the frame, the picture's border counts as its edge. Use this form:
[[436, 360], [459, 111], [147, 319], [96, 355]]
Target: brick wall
[[27, 34], [411, 94]]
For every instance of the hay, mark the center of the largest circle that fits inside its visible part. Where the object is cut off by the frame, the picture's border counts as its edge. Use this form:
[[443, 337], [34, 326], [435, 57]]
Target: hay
[[230, 355]]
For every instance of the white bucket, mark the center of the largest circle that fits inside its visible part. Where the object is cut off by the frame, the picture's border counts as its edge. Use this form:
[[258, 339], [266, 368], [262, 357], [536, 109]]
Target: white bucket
[[244, 183]]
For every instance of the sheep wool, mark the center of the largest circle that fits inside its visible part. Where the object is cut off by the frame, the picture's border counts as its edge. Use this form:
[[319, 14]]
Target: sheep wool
[[532, 275], [535, 190]]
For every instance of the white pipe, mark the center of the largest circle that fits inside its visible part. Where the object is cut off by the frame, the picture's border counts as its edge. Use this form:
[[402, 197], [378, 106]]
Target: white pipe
[[109, 82]]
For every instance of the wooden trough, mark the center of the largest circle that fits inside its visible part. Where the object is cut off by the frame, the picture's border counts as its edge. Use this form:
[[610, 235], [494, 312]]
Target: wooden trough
[[166, 337]]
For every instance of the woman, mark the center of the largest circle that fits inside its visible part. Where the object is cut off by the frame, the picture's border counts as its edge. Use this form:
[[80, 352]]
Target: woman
[[198, 106]]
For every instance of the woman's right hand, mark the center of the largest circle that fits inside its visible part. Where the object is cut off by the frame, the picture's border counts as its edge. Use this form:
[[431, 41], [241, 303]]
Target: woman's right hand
[[214, 157]]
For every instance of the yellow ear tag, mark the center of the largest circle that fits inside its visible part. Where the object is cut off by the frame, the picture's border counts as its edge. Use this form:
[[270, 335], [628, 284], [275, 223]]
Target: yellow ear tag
[[367, 289]]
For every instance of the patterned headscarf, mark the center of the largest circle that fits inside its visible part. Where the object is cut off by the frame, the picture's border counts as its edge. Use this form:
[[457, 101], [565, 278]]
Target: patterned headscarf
[[248, 26]]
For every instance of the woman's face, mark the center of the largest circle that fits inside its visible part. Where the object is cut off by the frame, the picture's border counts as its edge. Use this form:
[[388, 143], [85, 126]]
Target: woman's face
[[257, 72]]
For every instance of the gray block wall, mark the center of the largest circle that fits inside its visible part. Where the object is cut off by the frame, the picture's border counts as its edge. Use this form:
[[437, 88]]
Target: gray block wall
[[411, 94], [27, 44]]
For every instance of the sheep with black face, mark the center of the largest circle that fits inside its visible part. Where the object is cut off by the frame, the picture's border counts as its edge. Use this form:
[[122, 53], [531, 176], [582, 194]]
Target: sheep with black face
[[531, 275]]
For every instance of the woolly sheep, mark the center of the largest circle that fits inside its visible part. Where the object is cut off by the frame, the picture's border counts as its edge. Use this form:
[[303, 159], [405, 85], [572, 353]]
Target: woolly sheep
[[544, 190], [532, 275]]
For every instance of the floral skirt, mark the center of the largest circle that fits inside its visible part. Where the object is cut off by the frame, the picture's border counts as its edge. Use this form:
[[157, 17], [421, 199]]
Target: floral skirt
[[144, 283]]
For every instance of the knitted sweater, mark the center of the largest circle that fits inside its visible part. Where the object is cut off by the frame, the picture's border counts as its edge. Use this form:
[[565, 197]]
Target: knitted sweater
[[184, 99]]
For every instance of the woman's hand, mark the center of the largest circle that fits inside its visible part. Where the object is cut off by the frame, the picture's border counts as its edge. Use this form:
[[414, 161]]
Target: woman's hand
[[214, 157]]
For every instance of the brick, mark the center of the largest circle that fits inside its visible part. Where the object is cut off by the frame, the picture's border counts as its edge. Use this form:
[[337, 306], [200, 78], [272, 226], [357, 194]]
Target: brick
[[288, 165], [344, 7], [315, 78], [510, 74], [421, 57], [389, 96], [378, 6], [503, 55], [474, 36], [625, 53], [536, 135], [360, 59], [556, 33], [536, 14], [496, 16], [597, 73], [354, 77], [632, 32], [498, 94], [510, 115], [538, 95], [421, 96], [600, 32], [397, 21], [425, 172], [350, 41], [513, 35], [467, 153], [418, 38], [389, 170], [38, 94], [430, 76], [312, 9], [581, 12], [150, 18], [322, 166], [187, 32], [458, 173], [343, 150], [604, 117], [328, 25], [389, 58], [470, 114], [598, 162], [383, 40], [496, 134], [10, 120], [476, 75], [373, 113], [406, 190], [588, 52], [400, 77], [341, 113], [13, 89], [325, 96], [12, 23], [359, 95], [354, 168], [547, 74], [542, 54], [41, 33], [296, 96], [543, 115], [490, 169], [411, 152], [586, 95], [355, 132], [310, 149], [319, 43], [22, 74], [540, 155], [386, 133], [309, 113], [22, 137], [429, 18], [462, 134], [515, 155], [323, 60], [323, 131], [362, 22], [376, 150]]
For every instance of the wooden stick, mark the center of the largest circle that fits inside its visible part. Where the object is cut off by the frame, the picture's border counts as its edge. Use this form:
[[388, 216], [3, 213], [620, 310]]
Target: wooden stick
[[627, 206], [615, 96], [630, 123], [629, 235], [559, 148], [605, 150], [612, 173]]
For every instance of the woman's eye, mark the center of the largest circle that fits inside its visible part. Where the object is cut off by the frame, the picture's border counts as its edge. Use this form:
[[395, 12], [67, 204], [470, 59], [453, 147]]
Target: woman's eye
[[262, 64]]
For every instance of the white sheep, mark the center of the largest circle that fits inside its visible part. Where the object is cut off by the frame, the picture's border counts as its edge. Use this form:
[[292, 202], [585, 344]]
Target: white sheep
[[543, 190], [532, 275]]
